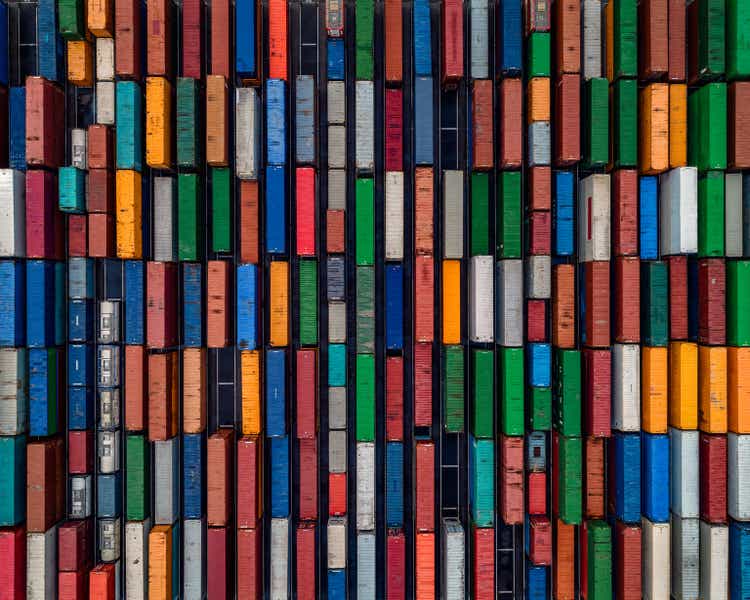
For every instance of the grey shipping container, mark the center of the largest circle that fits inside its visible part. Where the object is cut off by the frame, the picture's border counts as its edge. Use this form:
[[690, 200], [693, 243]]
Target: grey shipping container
[[365, 486], [167, 488], [337, 450], [193, 565], [592, 38], [336, 103], [509, 299], [453, 214], [12, 213], [105, 59], [714, 560], [336, 147], [136, 559], [479, 23], [337, 410], [164, 219], [279, 559], [41, 565], [336, 189], [366, 566], [247, 120], [105, 102], [684, 461], [539, 141], [13, 390], [109, 539], [454, 572], [365, 125], [78, 148], [305, 119], [539, 276], [685, 558], [337, 322]]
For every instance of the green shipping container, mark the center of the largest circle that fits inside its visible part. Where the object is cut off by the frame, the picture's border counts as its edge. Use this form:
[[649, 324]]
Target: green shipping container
[[568, 397], [625, 43], [570, 479], [599, 560], [738, 39], [365, 374], [187, 123], [71, 19], [509, 214], [480, 213], [365, 222], [189, 217], [13, 473], [365, 309], [482, 482], [738, 303], [365, 28], [596, 112], [221, 210], [654, 303], [137, 477], [707, 127], [511, 390], [540, 408], [711, 214], [538, 54], [711, 56], [308, 302], [482, 362], [453, 388], [624, 123]]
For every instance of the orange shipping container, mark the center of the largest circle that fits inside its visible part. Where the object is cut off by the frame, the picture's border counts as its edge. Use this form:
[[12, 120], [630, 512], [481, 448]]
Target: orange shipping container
[[654, 389], [738, 389], [158, 123], [393, 41], [80, 63], [423, 202], [252, 423], [277, 39], [128, 198], [249, 221], [425, 566], [538, 91], [677, 125], [135, 388], [279, 301], [653, 114], [219, 496], [594, 483], [451, 302], [217, 297], [99, 17], [564, 306], [160, 563], [683, 385], [221, 38], [568, 39], [510, 103], [102, 582], [163, 396], [563, 583], [193, 390], [217, 110], [158, 37], [335, 234], [712, 389]]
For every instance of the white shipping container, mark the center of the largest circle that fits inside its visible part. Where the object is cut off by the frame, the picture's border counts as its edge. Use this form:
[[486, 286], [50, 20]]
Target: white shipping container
[[539, 144], [78, 148], [394, 215], [683, 477], [714, 559], [539, 276], [685, 558], [365, 123], [336, 102], [509, 286], [167, 488], [593, 218], [109, 408], [13, 391], [81, 494], [108, 451], [337, 543], [656, 563], [247, 132], [109, 540], [12, 213], [279, 559], [337, 407], [336, 189], [105, 59], [738, 474], [678, 211], [733, 214], [454, 572], [109, 322], [105, 102], [592, 38], [337, 322], [479, 39], [337, 147], [453, 214], [136, 559], [164, 219], [481, 299], [108, 366], [626, 387], [365, 486], [337, 451], [41, 565], [366, 566], [193, 565]]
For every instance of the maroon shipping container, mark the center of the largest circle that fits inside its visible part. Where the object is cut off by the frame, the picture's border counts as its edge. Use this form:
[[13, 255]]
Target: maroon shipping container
[[540, 188], [738, 127], [568, 36], [537, 493], [308, 479], [625, 212], [128, 39], [219, 496], [597, 304], [540, 232], [336, 494], [483, 141], [101, 229], [484, 563], [135, 388], [395, 549], [627, 300], [422, 385], [217, 552], [218, 277], [161, 309], [653, 35], [306, 561], [713, 478], [424, 298], [425, 486], [45, 483], [307, 388], [13, 562], [511, 480], [510, 107], [100, 147], [80, 452], [335, 233], [158, 37], [711, 302], [45, 237], [221, 38], [538, 16], [72, 585], [597, 369], [100, 188], [627, 550], [678, 297], [249, 564], [75, 545], [594, 500], [677, 41], [567, 118], [394, 133], [78, 236], [540, 540], [583, 545], [249, 480], [45, 116], [453, 41], [536, 321], [394, 398], [192, 38]]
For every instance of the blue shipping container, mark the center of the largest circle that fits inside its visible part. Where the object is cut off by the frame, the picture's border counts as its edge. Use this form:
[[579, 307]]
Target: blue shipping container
[[13, 474], [49, 45], [481, 482], [279, 477], [337, 584], [192, 475], [80, 278], [626, 470], [134, 302], [540, 360], [335, 59], [71, 190], [536, 582], [245, 39], [108, 496], [275, 393], [394, 307], [655, 485], [305, 119], [80, 365], [510, 36], [276, 122], [80, 408], [129, 130], [247, 306], [276, 210], [563, 224], [648, 217], [394, 484], [40, 306], [423, 122], [335, 279], [192, 304], [739, 560], [43, 391], [336, 365], [12, 303], [17, 126], [422, 39]]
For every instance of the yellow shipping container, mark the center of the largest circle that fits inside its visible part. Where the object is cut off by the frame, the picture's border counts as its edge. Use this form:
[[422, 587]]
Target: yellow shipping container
[[738, 389], [160, 563], [653, 109], [158, 123], [99, 17], [677, 125], [683, 385], [279, 299], [654, 389], [193, 390], [712, 389], [128, 198], [539, 99], [80, 63], [216, 121], [252, 423], [451, 301]]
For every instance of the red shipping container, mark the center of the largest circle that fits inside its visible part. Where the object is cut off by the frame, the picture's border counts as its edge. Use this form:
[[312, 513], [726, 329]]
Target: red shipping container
[[536, 321], [678, 297], [71, 585], [221, 38], [627, 299], [540, 188], [217, 299], [738, 127], [540, 232], [568, 118], [510, 91], [45, 237], [653, 34], [484, 563], [568, 37], [249, 564], [597, 380], [424, 566], [712, 302], [453, 41], [394, 398], [161, 301], [101, 235], [537, 493], [597, 304], [102, 582], [192, 38], [594, 493], [583, 545], [395, 549], [45, 115], [13, 562], [78, 239], [336, 494], [217, 553], [393, 42], [564, 573], [135, 388], [540, 540], [424, 298], [394, 135], [219, 496], [423, 210], [100, 147], [308, 479], [307, 387], [677, 40], [483, 149], [100, 188], [625, 212], [425, 486], [422, 385], [306, 561], [277, 39], [627, 567], [80, 452], [248, 219], [158, 37], [45, 483], [163, 396], [713, 478], [75, 545], [305, 203], [128, 39], [249, 481], [511, 480], [335, 235]]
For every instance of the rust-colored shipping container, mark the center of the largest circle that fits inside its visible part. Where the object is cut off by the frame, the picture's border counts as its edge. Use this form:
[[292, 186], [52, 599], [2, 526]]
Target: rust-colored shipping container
[[712, 302], [393, 41], [75, 543], [424, 298], [219, 477], [128, 39], [80, 451], [484, 563], [713, 478], [308, 479], [511, 480], [163, 396], [423, 384], [482, 138], [221, 38], [99, 17], [423, 212], [307, 397], [627, 551], [217, 300], [159, 19], [564, 573], [220, 569], [305, 561], [597, 304], [538, 94], [249, 240], [335, 235], [540, 232], [677, 70], [217, 121], [678, 297], [249, 480], [192, 38], [277, 39], [510, 107], [100, 187], [135, 388], [564, 306], [45, 483], [536, 320], [738, 126], [71, 585], [425, 486], [102, 582], [78, 237], [394, 398], [161, 300], [597, 374], [101, 229], [625, 212], [627, 299], [394, 134], [568, 36], [336, 494], [653, 36], [453, 41], [424, 576], [249, 563], [194, 388], [540, 188], [45, 118], [567, 119], [594, 496], [536, 492]]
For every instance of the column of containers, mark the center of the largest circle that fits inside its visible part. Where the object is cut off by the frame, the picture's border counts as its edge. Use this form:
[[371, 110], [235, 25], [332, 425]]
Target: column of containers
[[336, 296]]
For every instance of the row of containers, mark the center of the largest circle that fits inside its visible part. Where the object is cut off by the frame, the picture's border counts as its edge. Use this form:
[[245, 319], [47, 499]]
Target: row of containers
[[479, 308]]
